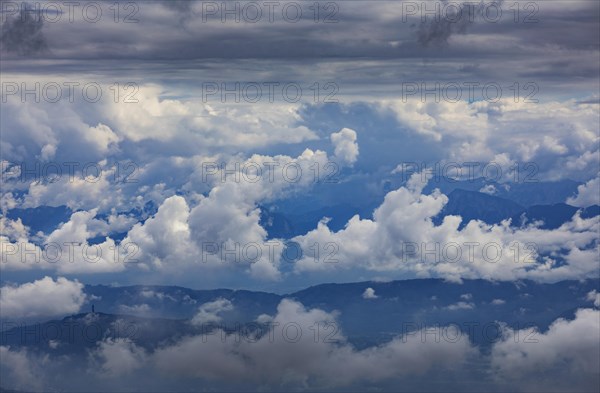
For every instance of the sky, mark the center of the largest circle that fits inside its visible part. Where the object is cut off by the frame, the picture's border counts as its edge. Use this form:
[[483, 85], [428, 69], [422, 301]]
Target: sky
[[278, 145], [211, 112]]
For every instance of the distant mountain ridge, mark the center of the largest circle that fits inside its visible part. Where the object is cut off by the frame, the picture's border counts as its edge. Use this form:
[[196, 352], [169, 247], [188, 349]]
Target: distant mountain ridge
[[393, 308], [472, 205], [491, 209], [294, 216]]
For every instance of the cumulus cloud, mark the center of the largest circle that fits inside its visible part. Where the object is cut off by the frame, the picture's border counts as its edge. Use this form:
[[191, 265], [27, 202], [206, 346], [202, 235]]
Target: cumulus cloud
[[165, 236], [76, 193], [224, 225], [210, 312], [489, 189], [117, 357], [567, 354], [402, 237], [369, 293], [83, 130], [594, 296], [345, 146], [460, 306], [12, 230], [588, 194], [192, 232], [202, 124], [44, 297], [67, 249], [501, 132]]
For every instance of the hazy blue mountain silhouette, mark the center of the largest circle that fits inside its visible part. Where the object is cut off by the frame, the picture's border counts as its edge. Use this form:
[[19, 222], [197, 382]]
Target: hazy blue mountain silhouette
[[180, 302], [399, 307], [553, 216], [524, 193], [472, 205], [284, 222]]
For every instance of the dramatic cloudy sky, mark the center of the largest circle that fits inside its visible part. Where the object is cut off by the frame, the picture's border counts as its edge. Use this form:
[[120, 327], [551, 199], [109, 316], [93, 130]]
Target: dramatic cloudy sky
[[171, 142], [361, 68]]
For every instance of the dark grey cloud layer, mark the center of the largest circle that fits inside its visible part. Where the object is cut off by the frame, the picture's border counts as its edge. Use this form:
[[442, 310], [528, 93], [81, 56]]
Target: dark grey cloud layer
[[438, 31], [180, 35], [371, 50], [23, 35]]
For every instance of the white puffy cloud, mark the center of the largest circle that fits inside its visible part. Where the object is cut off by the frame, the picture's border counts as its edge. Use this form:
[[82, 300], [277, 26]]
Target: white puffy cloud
[[588, 194], [369, 293], [224, 225], [165, 236], [52, 130], [402, 237], [345, 146], [201, 124], [184, 234], [77, 255], [84, 130], [12, 229], [439, 120], [210, 312], [567, 354], [178, 238], [77, 192], [561, 138], [226, 213], [594, 296], [460, 306], [118, 357], [44, 297], [489, 189], [67, 249], [21, 254]]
